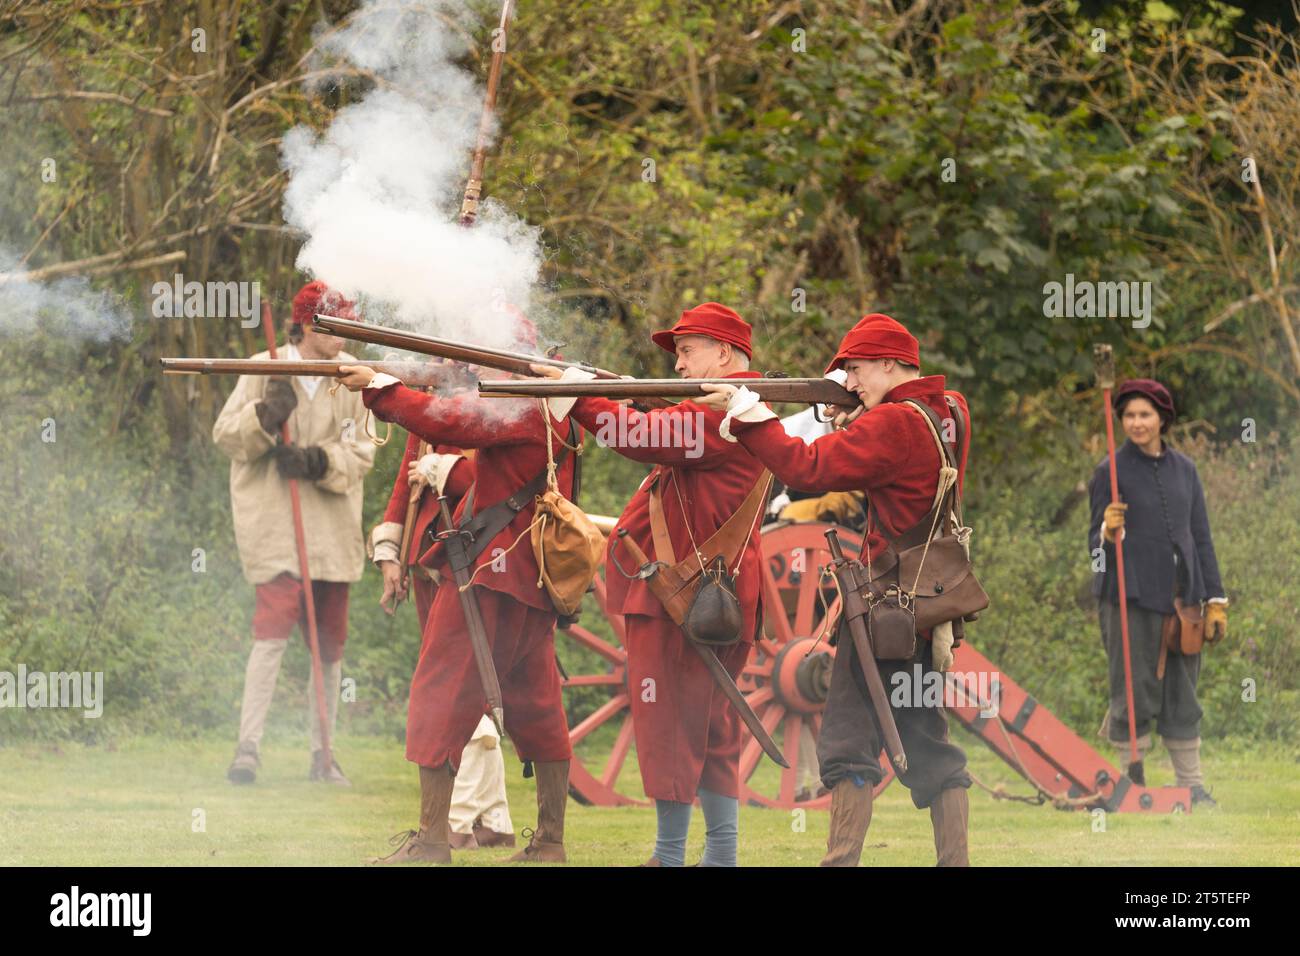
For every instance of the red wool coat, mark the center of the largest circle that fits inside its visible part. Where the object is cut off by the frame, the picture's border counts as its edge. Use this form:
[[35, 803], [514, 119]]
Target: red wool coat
[[712, 487], [426, 513], [888, 452], [510, 437]]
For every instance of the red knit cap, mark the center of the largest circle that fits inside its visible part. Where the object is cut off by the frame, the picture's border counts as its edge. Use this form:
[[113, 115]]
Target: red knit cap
[[877, 336], [1150, 389], [711, 319], [318, 298]]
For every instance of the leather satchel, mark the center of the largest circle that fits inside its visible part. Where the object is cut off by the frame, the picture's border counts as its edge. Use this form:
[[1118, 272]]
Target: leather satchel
[[568, 548], [714, 616], [701, 597], [928, 578], [1184, 630]]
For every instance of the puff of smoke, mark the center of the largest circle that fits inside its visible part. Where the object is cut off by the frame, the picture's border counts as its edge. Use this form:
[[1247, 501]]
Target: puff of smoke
[[68, 307], [377, 193]]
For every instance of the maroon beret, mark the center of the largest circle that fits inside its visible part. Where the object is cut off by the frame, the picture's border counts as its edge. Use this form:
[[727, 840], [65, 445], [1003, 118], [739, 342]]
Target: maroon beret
[[1150, 389]]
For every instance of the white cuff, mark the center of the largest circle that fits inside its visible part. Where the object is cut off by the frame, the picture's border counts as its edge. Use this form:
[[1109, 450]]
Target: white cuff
[[778, 504], [1104, 542], [1220, 600], [383, 380], [385, 541], [436, 469], [744, 406], [560, 407]]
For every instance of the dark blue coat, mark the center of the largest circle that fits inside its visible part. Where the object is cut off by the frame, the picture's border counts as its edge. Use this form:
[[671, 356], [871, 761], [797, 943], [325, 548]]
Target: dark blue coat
[[1155, 489]]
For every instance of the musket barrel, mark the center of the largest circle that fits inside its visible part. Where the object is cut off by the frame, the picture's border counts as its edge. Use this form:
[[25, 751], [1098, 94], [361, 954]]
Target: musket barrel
[[812, 391], [502, 359], [412, 373]]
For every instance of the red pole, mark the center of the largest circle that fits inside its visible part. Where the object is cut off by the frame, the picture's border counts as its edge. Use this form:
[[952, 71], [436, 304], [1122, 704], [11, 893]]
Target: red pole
[[1123, 588], [300, 539]]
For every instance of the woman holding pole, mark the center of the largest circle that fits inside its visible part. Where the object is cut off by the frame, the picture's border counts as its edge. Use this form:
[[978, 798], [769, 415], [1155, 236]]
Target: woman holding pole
[[1155, 532]]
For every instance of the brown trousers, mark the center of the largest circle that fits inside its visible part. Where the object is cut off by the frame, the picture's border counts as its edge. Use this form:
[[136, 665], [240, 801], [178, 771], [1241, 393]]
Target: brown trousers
[[850, 740]]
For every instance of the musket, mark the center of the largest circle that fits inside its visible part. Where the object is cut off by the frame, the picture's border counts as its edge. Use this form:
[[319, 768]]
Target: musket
[[503, 360], [647, 571], [458, 558], [474, 186], [812, 391], [412, 373], [468, 213], [852, 581]]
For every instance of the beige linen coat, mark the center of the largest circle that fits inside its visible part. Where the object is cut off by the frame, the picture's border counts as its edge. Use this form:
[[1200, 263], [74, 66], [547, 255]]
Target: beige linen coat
[[259, 497]]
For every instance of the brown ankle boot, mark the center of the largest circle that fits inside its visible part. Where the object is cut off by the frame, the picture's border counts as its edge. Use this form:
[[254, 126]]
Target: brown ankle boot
[[850, 817], [949, 814], [431, 843], [546, 843]]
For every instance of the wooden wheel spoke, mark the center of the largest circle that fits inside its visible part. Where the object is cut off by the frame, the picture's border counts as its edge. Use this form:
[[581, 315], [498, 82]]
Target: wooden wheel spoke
[[793, 728], [774, 607], [803, 613], [595, 680], [615, 655], [597, 717], [618, 756], [759, 698], [753, 750]]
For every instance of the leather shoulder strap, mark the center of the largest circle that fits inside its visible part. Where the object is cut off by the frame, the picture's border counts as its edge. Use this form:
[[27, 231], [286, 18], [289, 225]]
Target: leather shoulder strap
[[728, 541], [948, 455], [489, 522]]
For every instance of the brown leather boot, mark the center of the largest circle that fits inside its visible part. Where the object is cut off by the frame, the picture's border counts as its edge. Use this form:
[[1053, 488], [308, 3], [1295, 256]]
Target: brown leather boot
[[463, 841], [487, 837], [546, 843], [850, 817], [431, 843], [949, 814]]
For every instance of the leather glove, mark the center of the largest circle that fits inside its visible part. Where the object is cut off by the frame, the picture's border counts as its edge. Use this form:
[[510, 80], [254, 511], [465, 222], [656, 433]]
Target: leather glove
[[308, 463], [1216, 622], [1113, 522], [276, 406]]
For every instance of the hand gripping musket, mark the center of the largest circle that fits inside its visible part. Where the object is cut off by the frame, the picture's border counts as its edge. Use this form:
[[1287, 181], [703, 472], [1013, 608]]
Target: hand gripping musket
[[812, 391], [413, 373], [461, 571], [852, 580], [648, 571]]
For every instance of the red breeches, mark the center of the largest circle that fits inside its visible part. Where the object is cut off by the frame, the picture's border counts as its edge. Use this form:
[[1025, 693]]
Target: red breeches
[[447, 699], [280, 608], [687, 735]]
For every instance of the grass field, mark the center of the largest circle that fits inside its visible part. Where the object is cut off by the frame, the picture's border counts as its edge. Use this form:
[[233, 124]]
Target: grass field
[[135, 805]]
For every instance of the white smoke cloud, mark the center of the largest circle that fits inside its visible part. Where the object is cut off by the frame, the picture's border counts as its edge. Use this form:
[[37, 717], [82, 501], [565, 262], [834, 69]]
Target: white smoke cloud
[[378, 193], [67, 306]]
